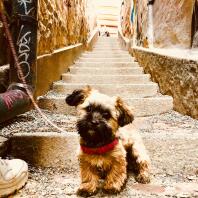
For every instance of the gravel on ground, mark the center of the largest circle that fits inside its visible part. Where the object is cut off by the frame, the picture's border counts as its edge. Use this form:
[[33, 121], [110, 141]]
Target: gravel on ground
[[170, 138]]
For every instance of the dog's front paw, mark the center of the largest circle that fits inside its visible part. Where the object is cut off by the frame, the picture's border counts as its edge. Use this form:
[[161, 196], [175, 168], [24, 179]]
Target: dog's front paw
[[112, 188], [143, 178], [86, 190]]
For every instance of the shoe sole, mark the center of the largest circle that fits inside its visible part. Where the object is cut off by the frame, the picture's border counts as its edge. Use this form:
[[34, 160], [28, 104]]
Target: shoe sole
[[16, 186]]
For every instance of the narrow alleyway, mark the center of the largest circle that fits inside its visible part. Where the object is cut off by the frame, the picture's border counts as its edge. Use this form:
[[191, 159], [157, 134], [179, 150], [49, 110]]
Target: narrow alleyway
[[112, 71], [170, 138]]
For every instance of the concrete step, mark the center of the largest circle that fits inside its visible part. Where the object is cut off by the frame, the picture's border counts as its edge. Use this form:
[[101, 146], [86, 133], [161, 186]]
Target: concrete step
[[106, 64], [105, 71], [107, 39], [124, 90], [62, 183], [47, 149], [107, 53], [105, 79], [113, 45], [106, 60], [101, 55], [107, 48], [140, 106]]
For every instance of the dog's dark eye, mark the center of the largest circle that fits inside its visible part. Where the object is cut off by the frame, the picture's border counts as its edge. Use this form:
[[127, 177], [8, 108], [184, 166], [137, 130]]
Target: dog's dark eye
[[106, 115], [88, 109]]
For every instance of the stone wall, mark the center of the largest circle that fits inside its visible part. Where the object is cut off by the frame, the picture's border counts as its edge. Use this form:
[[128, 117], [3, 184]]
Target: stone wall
[[176, 77], [172, 23], [62, 23]]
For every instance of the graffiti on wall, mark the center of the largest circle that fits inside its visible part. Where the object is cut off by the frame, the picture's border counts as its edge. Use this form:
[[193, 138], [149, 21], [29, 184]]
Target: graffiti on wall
[[23, 42], [133, 11], [26, 5], [26, 37]]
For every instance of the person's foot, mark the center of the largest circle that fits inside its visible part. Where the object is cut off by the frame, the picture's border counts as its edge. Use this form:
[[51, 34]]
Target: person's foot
[[13, 176]]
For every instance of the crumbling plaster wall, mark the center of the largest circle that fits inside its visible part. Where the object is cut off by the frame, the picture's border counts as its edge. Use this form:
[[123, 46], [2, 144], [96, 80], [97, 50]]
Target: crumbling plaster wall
[[172, 21], [62, 23]]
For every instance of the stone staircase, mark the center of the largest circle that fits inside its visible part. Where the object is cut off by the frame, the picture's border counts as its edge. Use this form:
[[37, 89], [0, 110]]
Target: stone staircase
[[112, 71], [170, 138]]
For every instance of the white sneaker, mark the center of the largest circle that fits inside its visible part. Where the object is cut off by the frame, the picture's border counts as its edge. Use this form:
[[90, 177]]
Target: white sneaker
[[13, 176]]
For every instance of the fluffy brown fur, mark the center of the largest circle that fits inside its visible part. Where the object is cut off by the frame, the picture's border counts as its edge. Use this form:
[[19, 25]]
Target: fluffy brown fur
[[102, 119]]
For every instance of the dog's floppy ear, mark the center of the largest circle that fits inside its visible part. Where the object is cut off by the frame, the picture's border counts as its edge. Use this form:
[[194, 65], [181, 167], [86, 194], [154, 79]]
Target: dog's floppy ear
[[125, 115], [78, 96]]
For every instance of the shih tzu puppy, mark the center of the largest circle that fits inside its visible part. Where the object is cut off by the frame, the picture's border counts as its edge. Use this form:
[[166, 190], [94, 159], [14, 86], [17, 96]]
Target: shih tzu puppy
[[107, 147]]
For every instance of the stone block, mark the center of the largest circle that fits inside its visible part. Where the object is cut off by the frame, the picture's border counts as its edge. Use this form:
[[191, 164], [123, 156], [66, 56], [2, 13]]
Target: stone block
[[46, 149], [3, 146]]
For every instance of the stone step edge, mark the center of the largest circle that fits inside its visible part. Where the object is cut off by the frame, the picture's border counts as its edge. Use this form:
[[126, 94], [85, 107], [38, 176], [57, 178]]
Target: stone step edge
[[108, 75], [62, 97], [106, 58], [111, 62], [150, 83], [140, 106], [109, 68], [108, 52]]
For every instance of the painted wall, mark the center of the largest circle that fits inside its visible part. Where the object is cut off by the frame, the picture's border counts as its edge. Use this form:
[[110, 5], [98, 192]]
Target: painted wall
[[125, 18], [142, 23], [134, 21], [172, 21]]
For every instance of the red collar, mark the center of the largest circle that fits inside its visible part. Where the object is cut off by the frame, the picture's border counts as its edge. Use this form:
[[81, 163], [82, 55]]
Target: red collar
[[100, 150]]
